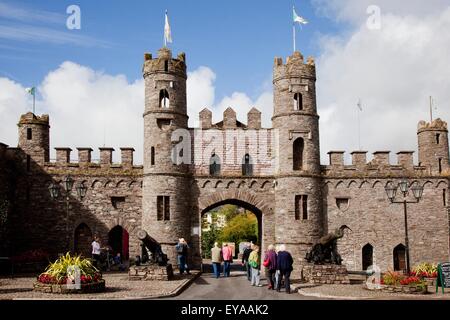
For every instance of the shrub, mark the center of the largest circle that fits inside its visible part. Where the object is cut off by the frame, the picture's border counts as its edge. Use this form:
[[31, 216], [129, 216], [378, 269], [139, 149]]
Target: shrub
[[425, 269], [57, 272], [392, 278]]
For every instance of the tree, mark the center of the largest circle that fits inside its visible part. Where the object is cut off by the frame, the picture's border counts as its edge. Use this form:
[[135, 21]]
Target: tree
[[208, 239], [242, 227]]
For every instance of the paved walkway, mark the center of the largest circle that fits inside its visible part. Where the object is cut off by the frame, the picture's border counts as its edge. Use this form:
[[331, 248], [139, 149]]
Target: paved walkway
[[235, 287]]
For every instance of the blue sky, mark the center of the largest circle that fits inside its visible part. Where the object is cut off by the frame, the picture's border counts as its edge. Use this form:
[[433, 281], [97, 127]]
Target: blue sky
[[237, 39]]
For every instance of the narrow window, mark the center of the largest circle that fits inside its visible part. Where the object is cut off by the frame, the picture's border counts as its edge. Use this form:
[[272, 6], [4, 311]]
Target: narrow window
[[438, 138], [166, 65], [117, 202], [172, 84], [400, 258], [28, 163], [298, 102], [166, 208], [214, 165], [160, 208], [298, 154], [164, 101], [440, 165], [305, 207], [444, 197], [301, 207], [29, 134], [298, 200], [163, 208], [152, 156], [247, 166]]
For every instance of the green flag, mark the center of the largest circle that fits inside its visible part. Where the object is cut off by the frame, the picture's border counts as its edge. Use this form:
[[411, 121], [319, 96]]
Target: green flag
[[31, 91]]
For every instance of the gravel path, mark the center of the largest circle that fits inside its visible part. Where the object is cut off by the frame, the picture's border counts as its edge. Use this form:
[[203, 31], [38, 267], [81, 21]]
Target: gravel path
[[117, 287], [356, 292]]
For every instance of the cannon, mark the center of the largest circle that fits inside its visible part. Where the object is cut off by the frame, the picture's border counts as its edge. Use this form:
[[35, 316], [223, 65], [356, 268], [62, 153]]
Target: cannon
[[150, 245], [325, 250]]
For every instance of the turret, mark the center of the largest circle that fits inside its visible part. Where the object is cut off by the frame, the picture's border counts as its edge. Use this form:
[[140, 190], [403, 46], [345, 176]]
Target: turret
[[34, 138], [295, 114], [433, 146], [165, 184], [299, 221]]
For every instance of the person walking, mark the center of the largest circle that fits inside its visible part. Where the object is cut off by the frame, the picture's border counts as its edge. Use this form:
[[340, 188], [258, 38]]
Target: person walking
[[182, 254], [270, 262], [216, 259], [253, 261], [96, 252], [284, 264], [227, 254], [245, 256]]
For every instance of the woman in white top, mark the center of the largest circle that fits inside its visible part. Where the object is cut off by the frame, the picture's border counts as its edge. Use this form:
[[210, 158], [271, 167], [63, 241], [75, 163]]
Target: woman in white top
[[96, 252]]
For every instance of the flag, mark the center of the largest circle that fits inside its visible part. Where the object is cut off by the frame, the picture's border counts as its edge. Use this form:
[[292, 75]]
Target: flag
[[167, 35], [297, 18], [359, 105], [31, 91]]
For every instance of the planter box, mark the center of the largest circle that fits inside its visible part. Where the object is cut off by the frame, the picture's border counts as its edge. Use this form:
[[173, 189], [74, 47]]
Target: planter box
[[401, 289], [62, 288]]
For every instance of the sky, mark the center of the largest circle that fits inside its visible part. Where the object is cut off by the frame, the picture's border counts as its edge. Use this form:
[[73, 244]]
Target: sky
[[89, 80]]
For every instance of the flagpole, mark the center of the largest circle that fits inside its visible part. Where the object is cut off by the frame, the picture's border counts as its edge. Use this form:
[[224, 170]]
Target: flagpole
[[431, 109], [293, 33], [34, 100]]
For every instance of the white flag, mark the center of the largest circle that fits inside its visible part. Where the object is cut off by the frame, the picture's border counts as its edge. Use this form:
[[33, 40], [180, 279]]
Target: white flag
[[297, 18], [167, 35]]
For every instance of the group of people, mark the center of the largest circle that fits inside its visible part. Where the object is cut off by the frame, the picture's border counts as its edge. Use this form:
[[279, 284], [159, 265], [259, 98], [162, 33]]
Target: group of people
[[277, 263], [115, 260]]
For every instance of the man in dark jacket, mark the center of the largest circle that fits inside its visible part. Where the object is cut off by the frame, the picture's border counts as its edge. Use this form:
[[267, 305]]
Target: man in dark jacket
[[245, 256], [182, 255], [284, 264]]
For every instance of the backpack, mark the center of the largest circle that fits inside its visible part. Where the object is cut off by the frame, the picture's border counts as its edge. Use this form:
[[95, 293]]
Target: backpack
[[180, 249]]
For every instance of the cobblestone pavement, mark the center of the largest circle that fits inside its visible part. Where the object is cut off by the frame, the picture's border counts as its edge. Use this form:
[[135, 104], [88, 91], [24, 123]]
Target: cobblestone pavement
[[356, 292], [117, 287]]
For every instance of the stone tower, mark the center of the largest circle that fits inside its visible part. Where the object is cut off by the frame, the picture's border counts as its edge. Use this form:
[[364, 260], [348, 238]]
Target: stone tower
[[433, 146], [165, 195], [34, 139], [296, 126]]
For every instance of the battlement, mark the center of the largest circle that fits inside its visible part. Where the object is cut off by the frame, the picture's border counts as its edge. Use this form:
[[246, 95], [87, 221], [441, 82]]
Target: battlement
[[295, 66], [165, 63], [85, 157], [380, 161], [436, 124], [30, 118], [229, 120]]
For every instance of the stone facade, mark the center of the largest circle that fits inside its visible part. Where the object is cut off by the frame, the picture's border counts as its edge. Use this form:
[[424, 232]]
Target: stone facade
[[274, 172]]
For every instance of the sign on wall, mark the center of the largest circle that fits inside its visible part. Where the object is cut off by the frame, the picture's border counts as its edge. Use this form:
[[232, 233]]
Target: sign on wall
[[443, 278]]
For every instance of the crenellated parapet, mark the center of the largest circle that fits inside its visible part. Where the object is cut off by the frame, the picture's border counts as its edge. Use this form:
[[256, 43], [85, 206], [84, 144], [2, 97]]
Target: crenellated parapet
[[378, 166], [295, 66], [164, 62], [230, 120], [436, 124], [85, 161]]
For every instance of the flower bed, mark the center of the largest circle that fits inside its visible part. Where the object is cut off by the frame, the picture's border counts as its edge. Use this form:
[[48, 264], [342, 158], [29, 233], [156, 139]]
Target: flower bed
[[396, 282], [93, 287], [70, 275]]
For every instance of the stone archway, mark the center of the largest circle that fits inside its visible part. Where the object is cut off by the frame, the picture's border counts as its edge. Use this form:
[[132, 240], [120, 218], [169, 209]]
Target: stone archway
[[247, 200]]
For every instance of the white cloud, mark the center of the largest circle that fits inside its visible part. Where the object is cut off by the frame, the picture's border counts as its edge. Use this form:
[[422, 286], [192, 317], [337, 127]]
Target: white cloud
[[201, 94], [89, 108], [394, 70]]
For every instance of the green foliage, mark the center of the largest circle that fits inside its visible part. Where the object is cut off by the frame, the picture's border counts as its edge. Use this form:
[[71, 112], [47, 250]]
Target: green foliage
[[242, 227], [208, 239], [392, 278], [425, 269], [229, 211], [58, 269]]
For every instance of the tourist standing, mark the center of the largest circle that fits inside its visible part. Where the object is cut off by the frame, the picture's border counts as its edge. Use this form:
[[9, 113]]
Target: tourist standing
[[284, 264], [270, 262], [227, 254], [96, 252], [245, 256], [182, 254], [253, 261], [216, 259]]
